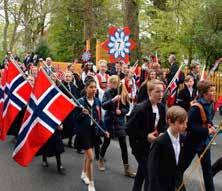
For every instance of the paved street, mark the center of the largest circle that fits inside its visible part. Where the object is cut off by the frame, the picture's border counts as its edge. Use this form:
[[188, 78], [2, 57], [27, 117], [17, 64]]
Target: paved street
[[35, 178]]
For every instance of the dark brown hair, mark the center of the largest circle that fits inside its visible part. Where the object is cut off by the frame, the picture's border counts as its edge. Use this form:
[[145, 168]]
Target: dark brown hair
[[203, 86]]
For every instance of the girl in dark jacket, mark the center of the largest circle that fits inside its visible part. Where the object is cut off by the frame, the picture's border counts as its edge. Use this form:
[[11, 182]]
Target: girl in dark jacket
[[87, 131], [116, 106]]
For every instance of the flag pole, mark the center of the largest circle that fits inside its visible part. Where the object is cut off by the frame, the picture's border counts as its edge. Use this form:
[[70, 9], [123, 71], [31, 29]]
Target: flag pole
[[202, 73], [74, 99]]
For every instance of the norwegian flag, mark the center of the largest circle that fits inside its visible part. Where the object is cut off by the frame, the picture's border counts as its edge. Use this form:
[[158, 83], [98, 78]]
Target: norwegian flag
[[46, 110], [2, 87], [173, 90], [16, 95], [1, 105], [173, 86]]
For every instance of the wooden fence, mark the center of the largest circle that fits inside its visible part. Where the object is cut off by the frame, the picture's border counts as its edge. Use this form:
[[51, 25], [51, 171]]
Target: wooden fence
[[217, 79]]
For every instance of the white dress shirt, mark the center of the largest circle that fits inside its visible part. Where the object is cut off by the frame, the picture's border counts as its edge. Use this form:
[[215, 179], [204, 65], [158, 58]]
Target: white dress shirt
[[176, 145]]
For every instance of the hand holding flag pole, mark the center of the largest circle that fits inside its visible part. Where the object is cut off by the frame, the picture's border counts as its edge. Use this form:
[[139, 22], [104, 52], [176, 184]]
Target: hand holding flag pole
[[77, 102]]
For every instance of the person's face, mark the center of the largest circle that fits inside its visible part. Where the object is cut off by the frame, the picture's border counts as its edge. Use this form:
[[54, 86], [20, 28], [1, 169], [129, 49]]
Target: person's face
[[152, 75], [125, 68], [210, 95], [118, 67], [190, 83], [103, 68], [49, 62], [34, 71], [197, 68], [156, 95], [91, 89], [68, 77], [113, 85], [180, 127], [171, 59], [72, 68]]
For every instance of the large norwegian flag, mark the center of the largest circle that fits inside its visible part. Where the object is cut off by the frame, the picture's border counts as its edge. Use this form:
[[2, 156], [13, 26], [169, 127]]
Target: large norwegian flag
[[16, 95], [46, 110]]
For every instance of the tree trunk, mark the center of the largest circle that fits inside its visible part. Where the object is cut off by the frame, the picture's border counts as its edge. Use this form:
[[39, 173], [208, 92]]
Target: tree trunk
[[190, 55], [5, 33], [131, 19], [89, 20], [27, 28], [160, 4]]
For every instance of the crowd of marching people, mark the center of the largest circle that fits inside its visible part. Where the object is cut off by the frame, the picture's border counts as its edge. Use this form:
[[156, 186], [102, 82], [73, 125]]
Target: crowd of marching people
[[119, 101]]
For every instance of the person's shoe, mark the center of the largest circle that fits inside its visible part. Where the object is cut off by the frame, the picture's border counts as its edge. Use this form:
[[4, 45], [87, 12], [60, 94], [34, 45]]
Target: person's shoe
[[91, 186], [71, 146], [84, 178], [213, 143], [61, 170], [101, 164], [45, 164], [128, 172]]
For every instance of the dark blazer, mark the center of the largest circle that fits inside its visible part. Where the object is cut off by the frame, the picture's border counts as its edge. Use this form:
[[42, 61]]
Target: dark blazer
[[184, 98], [163, 171], [49, 70], [73, 89], [142, 93], [83, 121], [115, 124], [141, 123], [68, 123]]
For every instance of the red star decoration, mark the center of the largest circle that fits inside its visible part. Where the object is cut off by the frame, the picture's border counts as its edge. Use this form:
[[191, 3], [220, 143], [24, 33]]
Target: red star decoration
[[119, 44]]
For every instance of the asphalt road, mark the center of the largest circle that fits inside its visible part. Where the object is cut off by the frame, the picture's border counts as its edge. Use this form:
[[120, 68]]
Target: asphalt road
[[35, 178]]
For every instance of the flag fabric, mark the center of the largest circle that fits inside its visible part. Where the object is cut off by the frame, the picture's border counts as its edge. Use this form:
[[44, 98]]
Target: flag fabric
[[1, 105], [172, 91], [173, 86], [16, 95], [46, 110]]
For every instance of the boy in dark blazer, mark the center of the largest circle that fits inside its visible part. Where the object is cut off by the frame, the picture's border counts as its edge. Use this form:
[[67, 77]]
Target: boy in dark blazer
[[165, 153]]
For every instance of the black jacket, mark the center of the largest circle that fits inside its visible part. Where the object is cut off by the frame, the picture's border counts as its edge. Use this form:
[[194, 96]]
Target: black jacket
[[141, 123], [115, 124], [162, 168], [173, 71], [184, 98]]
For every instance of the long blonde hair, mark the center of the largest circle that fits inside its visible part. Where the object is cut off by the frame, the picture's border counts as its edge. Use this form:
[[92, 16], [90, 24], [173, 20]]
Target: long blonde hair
[[114, 79]]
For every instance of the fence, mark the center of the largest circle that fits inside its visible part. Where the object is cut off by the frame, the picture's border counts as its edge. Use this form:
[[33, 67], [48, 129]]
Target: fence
[[217, 79]]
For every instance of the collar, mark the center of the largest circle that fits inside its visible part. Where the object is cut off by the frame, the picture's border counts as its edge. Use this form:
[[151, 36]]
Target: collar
[[173, 139]]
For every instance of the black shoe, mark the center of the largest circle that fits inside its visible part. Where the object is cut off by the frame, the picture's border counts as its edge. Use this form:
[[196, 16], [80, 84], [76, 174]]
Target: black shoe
[[61, 170], [45, 164]]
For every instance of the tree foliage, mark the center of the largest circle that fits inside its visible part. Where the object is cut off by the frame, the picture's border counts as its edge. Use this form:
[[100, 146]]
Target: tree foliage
[[190, 28]]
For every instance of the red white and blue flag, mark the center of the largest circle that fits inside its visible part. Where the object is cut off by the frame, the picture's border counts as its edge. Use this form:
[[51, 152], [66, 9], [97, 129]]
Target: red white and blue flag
[[172, 91], [16, 95], [173, 86], [46, 110]]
